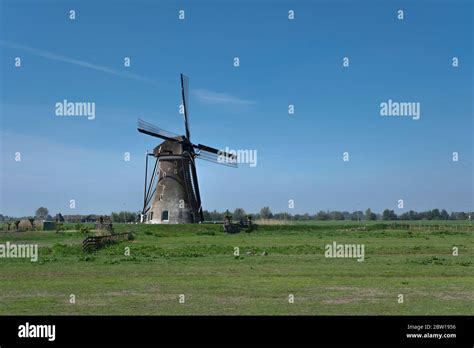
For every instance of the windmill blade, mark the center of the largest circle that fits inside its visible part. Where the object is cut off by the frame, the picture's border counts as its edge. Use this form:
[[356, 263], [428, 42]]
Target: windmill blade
[[196, 190], [215, 151], [218, 157], [154, 131], [184, 96], [216, 160]]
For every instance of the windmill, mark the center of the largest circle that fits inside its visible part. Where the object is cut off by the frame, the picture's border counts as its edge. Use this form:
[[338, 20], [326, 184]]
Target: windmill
[[172, 191]]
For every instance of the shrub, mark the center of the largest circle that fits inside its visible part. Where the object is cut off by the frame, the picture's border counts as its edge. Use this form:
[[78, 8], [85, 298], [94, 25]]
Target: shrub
[[85, 229], [59, 227]]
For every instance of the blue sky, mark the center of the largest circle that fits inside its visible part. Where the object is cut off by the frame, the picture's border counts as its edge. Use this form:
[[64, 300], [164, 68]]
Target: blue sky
[[281, 62]]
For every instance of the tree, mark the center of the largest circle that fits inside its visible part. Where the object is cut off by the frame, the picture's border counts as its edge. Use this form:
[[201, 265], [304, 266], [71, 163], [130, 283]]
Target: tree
[[41, 213], [266, 213], [322, 216], [59, 217], [216, 216], [121, 217], [444, 214], [435, 214], [357, 216], [282, 216], [404, 216], [347, 215], [369, 215], [115, 217], [337, 215], [389, 215], [207, 215], [239, 214]]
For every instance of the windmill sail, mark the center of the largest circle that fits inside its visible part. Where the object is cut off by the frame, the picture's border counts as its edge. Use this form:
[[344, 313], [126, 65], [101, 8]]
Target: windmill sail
[[155, 131], [214, 155], [184, 96]]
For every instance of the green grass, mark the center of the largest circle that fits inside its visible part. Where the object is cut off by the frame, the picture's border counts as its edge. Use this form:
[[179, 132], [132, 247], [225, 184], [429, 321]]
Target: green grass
[[198, 261]]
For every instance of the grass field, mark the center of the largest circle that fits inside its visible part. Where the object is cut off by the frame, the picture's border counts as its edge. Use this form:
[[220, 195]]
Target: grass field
[[198, 261]]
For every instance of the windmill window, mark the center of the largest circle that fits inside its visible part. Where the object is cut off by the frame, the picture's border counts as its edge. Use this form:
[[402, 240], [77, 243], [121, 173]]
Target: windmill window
[[151, 216], [161, 196], [164, 215]]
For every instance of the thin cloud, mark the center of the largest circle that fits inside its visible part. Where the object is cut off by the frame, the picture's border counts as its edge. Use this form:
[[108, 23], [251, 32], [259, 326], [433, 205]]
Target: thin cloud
[[210, 97], [59, 58]]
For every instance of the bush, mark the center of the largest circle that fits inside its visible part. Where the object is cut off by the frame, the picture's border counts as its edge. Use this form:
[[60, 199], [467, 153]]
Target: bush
[[59, 227], [85, 229], [25, 225]]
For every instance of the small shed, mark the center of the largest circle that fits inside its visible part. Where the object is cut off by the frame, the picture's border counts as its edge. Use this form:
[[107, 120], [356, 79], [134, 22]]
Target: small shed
[[49, 225]]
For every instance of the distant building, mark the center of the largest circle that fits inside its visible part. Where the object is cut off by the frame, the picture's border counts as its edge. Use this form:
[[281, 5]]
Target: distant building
[[49, 225]]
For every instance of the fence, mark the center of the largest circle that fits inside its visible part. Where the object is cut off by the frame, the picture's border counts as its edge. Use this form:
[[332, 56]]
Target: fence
[[97, 242]]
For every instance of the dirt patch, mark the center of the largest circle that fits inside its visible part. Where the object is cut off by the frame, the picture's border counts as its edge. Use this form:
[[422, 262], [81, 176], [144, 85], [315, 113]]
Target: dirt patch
[[351, 294]]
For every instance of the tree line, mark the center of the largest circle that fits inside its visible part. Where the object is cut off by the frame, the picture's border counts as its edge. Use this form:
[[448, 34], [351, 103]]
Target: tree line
[[367, 215], [42, 213], [240, 214]]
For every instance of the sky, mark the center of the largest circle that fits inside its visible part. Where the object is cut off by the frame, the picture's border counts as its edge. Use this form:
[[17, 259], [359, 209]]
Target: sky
[[282, 62]]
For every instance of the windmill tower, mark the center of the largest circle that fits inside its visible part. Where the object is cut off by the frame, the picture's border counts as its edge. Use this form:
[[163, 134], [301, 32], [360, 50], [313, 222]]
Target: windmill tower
[[172, 191]]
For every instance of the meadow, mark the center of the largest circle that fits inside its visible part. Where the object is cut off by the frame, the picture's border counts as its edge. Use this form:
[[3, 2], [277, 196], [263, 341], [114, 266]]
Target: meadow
[[274, 262]]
